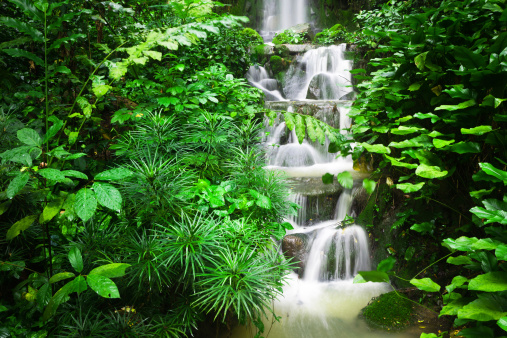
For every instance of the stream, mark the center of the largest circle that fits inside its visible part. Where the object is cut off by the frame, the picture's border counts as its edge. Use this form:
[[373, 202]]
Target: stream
[[320, 299]]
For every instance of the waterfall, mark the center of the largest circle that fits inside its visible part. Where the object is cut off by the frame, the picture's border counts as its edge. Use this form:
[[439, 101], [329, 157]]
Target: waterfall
[[282, 14]]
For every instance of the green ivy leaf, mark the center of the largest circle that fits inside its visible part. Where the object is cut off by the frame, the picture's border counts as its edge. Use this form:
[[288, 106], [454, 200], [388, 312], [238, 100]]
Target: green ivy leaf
[[386, 265], [114, 174], [104, 286], [76, 259], [85, 204], [345, 179], [112, 270], [425, 284], [107, 195], [19, 226], [427, 171], [17, 184], [369, 185], [409, 187], [29, 137]]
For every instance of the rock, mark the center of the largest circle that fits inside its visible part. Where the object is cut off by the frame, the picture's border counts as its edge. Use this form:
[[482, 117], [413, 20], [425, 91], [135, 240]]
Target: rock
[[278, 64], [294, 247], [349, 96], [305, 29], [248, 6], [321, 87]]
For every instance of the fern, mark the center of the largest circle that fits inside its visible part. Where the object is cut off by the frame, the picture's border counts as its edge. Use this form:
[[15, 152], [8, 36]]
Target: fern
[[21, 26]]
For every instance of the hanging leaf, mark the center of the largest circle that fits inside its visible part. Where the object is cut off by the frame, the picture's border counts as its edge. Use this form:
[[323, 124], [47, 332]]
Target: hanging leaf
[[480, 130], [374, 276], [76, 259], [489, 282], [491, 170], [107, 195], [103, 286], [19, 226], [51, 210], [425, 284], [59, 297], [423, 228], [345, 179], [85, 204], [369, 185], [54, 129], [17, 184], [300, 128], [15, 52], [29, 137], [61, 276], [397, 162], [409, 187], [386, 265], [376, 148], [427, 171], [289, 120]]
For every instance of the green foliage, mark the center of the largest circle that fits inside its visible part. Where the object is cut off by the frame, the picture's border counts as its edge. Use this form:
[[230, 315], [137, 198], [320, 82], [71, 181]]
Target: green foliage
[[330, 36], [288, 36], [389, 311], [253, 36]]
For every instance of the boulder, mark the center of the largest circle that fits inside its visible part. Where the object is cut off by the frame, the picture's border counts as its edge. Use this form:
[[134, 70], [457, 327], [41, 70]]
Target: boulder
[[321, 87], [294, 247], [304, 29]]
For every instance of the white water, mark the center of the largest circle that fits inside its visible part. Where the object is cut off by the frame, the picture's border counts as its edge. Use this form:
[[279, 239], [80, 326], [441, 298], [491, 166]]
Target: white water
[[282, 14]]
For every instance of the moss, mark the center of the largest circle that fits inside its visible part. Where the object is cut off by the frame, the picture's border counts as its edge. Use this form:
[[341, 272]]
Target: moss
[[252, 36], [281, 50], [389, 311], [278, 64]]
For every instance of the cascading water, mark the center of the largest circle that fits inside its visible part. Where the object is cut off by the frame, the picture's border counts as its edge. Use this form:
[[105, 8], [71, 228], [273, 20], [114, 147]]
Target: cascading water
[[320, 299], [282, 14]]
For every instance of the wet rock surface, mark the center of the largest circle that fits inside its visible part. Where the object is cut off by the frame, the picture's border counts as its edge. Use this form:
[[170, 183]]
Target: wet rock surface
[[294, 247]]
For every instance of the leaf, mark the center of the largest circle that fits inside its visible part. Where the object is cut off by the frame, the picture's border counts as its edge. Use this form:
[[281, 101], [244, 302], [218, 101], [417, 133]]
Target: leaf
[[420, 60], [54, 129], [397, 162], [153, 54], [101, 90], [44, 295], [58, 42], [74, 173], [427, 171], [29, 137], [166, 101], [85, 204], [21, 26], [453, 307], [386, 265], [5, 206], [61, 276], [485, 308], [369, 185], [73, 137], [85, 106], [15, 52], [107, 195], [409, 187], [58, 298], [76, 259], [375, 148], [491, 170], [495, 211], [300, 128], [462, 244], [19, 226], [462, 105], [289, 120], [374, 276], [51, 210], [114, 174], [80, 284], [112, 270], [345, 179], [489, 282], [438, 143], [469, 59], [403, 130], [480, 130], [502, 322], [459, 260], [501, 252], [103, 286], [327, 178], [17, 184], [423, 227], [434, 118], [425, 284], [52, 174], [456, 282], [465, 148]]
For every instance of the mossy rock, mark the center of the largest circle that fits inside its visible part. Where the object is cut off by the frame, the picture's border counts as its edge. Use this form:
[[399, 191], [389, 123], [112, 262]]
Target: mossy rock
[[281, 50], [278, 64], [252, 36], [389, 311]]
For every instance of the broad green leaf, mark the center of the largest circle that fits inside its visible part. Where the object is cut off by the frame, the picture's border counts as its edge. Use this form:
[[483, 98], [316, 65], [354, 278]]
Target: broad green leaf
[[496, 211], [465, 148], [345, 179], [73, 137], [425, 284], [58, 298], [300, 128], [485, 244], [462, 244], [386, 265], [85, 204], [374, 276], [462, 105], [459, 260], [428, 335], [376, 148], [19, 226], [101, 90], [409, 187], [423, 227], [80, 284], [403, 130], [491, 101], [485, 308], [52, 174], [5, 206], [397, 162], [112, 270], [114, 174], [167, 101], [359, 279], [54, 129], [489, 282], [419, 141], [456, 282], [369, 185], [103, 286], [414, 87], [153, 54], [310, 128], [17, 184], [85, 106], [75, 156], [420, 60], [51, 210], [74, 173], [21, 26], [453, 307], [29, 137], [76, 259], [438, 143], [289, 120], [480, 130], [481, 193], [502, 322], [61, 276], [491, 170], [434, 118], [107, 195], [501, 252], [44, 295], [427, 171], [327, 178], [468, 58], [15, 52]]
